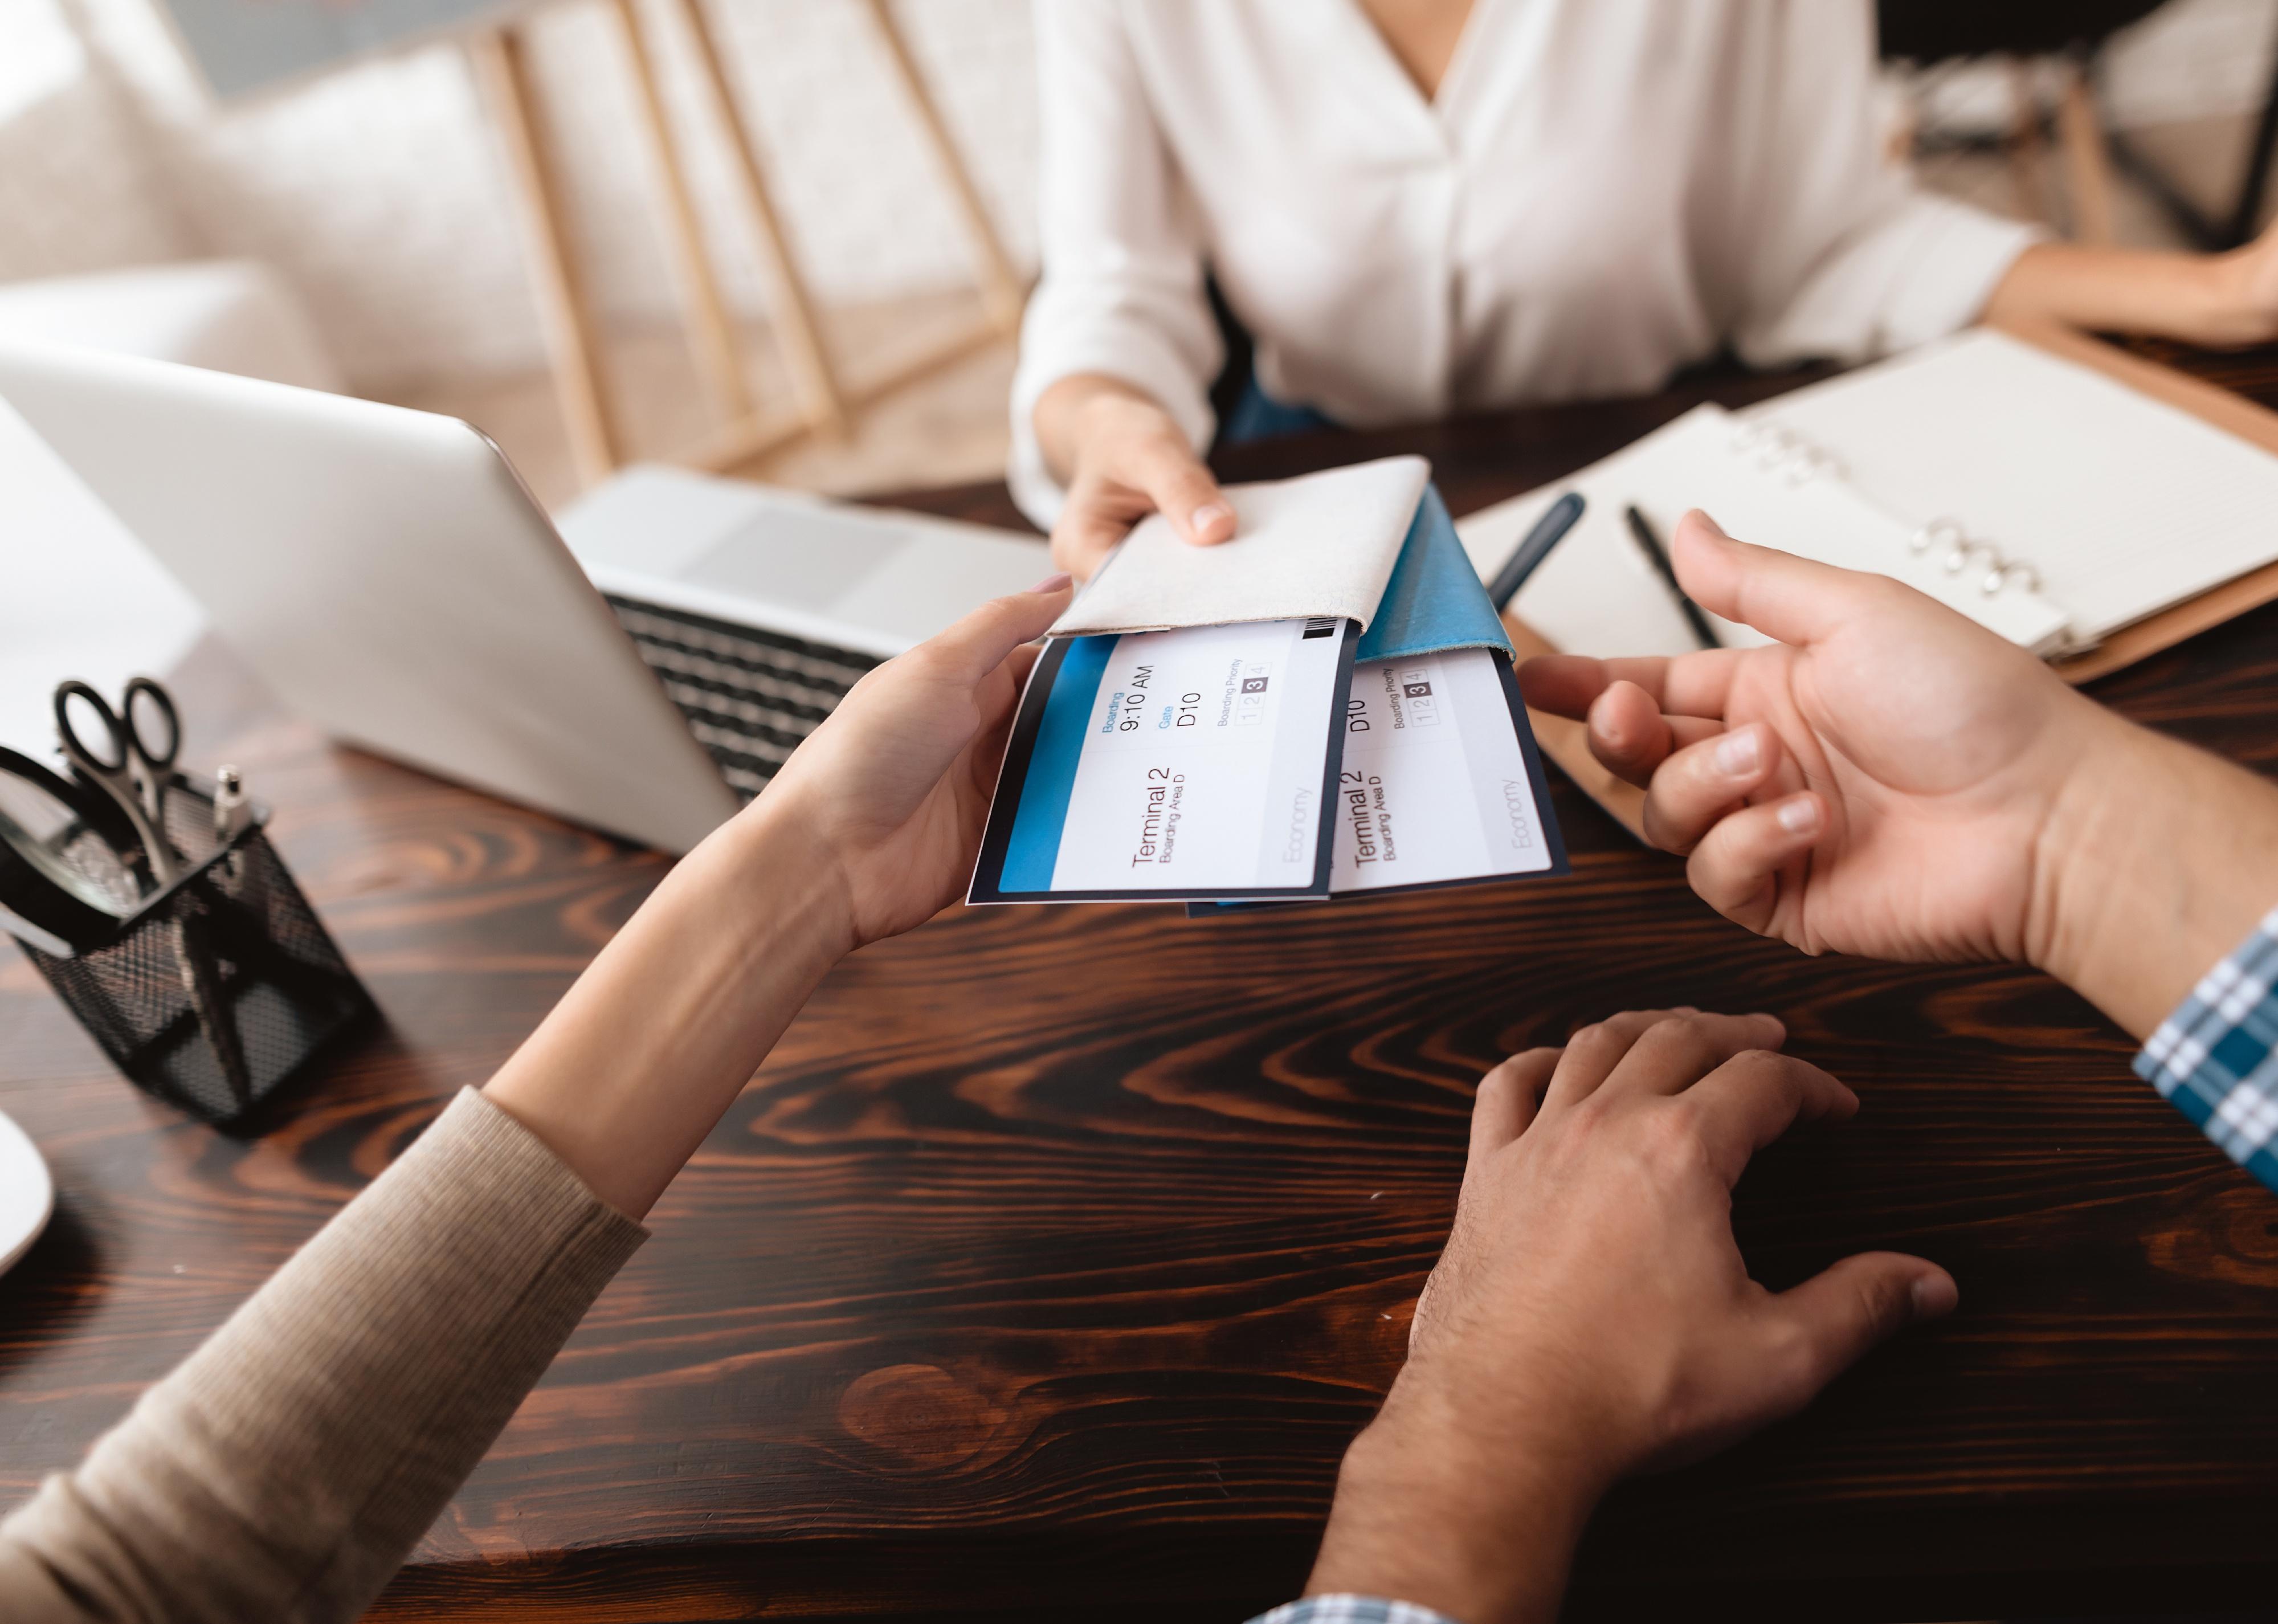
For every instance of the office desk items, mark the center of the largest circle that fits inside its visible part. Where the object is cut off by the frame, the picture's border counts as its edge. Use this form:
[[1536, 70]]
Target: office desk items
[[1322, 546], [1440, 783], [387, 573], [1184, 765], [27, 1193], [1054, 1258], [49, 896], [1434, 601], [1641, 531], [192, 958], [1602, 593], [1548, 530], [131, 759], [2081, 502], [231, 810], [2137, 499], [1371, 543], [1449, 788], [129, 756], [1222, 812]]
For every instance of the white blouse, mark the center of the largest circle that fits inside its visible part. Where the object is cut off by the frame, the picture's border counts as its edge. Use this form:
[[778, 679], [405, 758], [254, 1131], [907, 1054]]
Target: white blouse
[[1603, 192]]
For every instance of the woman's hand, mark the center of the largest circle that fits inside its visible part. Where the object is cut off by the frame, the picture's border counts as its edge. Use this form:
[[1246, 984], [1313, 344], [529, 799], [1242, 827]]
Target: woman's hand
[[869, 829], [1122, 457], [2220, 300], [1881, 781], [2252, 273], [1592, 1315], [895, 785]]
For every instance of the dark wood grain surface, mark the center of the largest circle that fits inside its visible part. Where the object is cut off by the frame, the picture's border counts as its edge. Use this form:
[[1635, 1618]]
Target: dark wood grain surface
[[1049, 1265]]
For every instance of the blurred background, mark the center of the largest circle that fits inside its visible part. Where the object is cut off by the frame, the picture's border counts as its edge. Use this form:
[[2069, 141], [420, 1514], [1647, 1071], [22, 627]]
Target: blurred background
[[368, 226]]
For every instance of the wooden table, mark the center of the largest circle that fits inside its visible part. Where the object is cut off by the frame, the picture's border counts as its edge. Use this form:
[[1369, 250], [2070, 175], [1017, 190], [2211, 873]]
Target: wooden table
[[1049, 1265]]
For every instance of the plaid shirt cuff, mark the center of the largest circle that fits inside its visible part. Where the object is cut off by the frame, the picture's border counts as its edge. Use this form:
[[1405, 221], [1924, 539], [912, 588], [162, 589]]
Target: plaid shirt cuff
[[1351, 1610], [2214, 1056]]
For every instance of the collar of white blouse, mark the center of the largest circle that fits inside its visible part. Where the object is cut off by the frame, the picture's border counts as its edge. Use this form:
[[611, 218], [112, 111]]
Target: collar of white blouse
[[1353, 40]]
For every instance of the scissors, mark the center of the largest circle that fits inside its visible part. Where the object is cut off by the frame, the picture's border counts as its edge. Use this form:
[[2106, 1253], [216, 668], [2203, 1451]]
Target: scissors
[[45, 897], [135, 769], [135, 761]]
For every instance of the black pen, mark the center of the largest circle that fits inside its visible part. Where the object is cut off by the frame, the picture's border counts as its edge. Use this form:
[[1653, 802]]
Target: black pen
[[1555, 523], [1650, 545]]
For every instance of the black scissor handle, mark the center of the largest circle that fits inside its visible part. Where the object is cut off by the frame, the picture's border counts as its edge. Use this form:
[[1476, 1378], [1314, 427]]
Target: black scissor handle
[[144, 696], [113, 759]]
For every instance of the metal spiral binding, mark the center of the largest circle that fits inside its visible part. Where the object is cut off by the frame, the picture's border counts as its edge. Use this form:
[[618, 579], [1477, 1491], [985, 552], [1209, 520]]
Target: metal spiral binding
[[1962, 551], [1775, 449]]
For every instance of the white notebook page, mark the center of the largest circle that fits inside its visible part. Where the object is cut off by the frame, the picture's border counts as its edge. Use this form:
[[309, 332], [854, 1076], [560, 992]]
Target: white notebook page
[[2123, 504], [1597, 594]]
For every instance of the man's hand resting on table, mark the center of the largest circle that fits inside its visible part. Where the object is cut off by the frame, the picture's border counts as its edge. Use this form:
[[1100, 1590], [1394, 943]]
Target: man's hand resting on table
[[1592, 1317], [1891, 778]]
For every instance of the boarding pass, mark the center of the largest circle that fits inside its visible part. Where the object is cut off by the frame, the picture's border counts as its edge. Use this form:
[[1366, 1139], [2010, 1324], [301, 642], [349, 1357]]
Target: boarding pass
[[1164, 766]]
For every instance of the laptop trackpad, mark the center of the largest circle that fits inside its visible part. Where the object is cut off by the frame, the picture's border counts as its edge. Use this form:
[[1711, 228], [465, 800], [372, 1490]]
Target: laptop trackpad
[[804, 559]]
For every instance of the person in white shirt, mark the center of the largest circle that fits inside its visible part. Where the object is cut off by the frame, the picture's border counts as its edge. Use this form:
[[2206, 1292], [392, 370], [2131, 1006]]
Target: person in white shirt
[[1422, 207]]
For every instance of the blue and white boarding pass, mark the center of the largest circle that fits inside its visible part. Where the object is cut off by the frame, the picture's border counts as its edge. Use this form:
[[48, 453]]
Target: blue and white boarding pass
[[1168, 766], [1441, 784]]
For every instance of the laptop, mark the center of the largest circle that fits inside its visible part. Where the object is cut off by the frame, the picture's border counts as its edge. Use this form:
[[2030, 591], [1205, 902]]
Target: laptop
[[644, 670]]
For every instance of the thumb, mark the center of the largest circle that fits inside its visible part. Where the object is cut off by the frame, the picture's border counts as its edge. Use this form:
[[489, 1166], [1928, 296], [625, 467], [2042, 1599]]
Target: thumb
[[1797, 601], [1833, 1319], [978, 644]]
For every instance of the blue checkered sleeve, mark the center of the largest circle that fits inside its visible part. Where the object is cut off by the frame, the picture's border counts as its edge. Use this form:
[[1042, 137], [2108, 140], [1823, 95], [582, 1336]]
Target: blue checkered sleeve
[[1351, 1610], [2217, 1056]]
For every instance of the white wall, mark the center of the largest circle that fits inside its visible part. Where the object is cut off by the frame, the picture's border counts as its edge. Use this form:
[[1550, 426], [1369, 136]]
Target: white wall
[[378, 191], [76, 190]]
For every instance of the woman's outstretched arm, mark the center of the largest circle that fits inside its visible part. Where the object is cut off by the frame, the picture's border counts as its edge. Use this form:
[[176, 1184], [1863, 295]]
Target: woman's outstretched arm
[[285, 1469], [2220, 301]]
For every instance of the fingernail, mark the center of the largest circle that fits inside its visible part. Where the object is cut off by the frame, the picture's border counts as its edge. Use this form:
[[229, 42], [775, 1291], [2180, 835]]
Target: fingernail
[[1934, 1295], [1203, 517], [1799, 815], [1053, 582], [1738, 753]]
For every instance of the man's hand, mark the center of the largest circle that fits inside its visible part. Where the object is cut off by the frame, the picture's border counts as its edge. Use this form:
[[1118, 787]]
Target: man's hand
[[1592, 1316], [894, 786], [1892, 778], [1881, 781]]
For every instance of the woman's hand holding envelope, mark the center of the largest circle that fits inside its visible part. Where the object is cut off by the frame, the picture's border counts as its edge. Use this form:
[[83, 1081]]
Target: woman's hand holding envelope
[[896, 783], [1122, 456], [869, 829], [1891, 779]]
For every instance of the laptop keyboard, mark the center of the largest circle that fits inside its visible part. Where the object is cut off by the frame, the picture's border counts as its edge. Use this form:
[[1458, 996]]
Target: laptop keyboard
[[749, 695]]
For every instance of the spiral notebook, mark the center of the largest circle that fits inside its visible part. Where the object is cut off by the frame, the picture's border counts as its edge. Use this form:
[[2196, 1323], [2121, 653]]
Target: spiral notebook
[[2055, 498]]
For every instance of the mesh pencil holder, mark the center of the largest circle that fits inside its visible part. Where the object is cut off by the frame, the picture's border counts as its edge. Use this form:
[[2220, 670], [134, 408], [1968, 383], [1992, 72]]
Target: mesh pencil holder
[[218, 990]]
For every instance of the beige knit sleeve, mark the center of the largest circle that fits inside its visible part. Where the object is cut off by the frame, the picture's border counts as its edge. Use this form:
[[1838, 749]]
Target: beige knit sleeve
[[284, 1470]]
